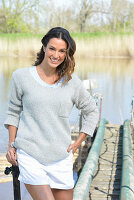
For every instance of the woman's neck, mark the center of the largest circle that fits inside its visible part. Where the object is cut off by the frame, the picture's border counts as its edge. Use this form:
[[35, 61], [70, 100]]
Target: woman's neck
[[47, 70], [47, 74]]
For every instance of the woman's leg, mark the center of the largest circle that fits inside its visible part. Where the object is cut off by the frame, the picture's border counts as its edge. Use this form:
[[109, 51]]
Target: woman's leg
[[40, 192], [62, 194]]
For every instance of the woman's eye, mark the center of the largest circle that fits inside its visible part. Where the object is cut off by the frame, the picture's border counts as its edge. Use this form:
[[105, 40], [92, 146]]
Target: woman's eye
[[51, 49], [62, 51]]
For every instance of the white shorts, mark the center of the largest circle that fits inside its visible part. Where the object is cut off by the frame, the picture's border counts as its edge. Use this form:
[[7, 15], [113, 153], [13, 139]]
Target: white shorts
[[57, 175]]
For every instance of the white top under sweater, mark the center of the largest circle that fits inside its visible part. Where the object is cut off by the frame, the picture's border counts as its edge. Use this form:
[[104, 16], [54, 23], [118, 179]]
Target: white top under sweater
[[42, 114], [37, 78]]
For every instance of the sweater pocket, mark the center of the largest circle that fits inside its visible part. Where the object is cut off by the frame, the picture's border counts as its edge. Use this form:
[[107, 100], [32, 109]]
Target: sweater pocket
[[65, 109]]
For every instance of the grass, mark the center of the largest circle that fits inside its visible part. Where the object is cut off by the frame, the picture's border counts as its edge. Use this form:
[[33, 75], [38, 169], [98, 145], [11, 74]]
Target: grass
[[15, 36], [97, 44], [98, 35]]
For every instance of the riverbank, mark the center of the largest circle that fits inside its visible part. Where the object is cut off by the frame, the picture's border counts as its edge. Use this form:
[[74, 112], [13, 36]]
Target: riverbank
[[112, 45]]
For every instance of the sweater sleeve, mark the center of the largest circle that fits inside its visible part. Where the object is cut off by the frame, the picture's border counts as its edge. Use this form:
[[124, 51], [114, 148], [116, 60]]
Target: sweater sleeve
[[85, 102], [14, 104]]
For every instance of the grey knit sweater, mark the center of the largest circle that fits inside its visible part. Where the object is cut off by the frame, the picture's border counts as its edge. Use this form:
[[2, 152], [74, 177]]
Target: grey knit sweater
[[42, 115]]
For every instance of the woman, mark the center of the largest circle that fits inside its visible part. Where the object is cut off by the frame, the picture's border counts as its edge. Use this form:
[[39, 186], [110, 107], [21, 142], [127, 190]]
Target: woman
[[41, 99]]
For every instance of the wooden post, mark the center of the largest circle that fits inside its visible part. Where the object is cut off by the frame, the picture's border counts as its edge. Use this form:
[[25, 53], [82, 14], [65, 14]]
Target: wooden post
[[132, 119], [79, 157], [100, 111]]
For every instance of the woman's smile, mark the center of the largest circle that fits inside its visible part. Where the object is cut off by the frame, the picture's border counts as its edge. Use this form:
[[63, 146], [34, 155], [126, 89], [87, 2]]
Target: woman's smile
[[55, 61]]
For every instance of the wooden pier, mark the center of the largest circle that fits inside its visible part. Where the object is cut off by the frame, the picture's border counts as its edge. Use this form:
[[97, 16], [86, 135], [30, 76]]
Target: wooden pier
[[107, 178], [104, 176]]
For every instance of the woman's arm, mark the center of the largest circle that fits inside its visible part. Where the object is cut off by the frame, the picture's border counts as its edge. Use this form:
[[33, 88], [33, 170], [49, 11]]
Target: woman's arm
[[15, 107], [11, 154], [12, 134], [85, 102], [77, 143], [89, 110]]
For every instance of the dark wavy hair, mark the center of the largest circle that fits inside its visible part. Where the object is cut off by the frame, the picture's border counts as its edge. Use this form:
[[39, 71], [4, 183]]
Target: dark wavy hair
[[66, 68]]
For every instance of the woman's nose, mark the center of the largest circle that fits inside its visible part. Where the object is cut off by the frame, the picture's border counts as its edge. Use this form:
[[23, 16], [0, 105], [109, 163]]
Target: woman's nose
[[56, 54]]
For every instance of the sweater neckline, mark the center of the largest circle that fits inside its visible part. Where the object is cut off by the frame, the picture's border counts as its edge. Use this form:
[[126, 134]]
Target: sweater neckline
[[36, 76]]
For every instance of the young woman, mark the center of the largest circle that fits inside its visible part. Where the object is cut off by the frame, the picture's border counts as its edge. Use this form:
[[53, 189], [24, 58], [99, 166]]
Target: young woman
[[40, 101]]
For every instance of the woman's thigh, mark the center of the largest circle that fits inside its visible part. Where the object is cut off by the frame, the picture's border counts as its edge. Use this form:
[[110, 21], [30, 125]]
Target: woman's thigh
[[62, 194], [40, 192]]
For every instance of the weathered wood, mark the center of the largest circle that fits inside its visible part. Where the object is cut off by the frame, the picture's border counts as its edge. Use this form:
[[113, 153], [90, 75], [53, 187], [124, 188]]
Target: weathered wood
[[88, 170], [107, 178]]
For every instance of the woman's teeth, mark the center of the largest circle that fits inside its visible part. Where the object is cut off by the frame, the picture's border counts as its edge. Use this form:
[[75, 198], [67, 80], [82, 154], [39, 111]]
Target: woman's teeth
[[54, 60]]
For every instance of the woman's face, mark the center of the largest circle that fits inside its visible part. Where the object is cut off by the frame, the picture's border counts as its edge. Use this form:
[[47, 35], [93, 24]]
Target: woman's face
[[55, 52]]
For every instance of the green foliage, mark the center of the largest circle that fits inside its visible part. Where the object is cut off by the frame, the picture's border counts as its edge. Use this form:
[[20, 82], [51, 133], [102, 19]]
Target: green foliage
[[17, 16], [16, 24], [96, 19]]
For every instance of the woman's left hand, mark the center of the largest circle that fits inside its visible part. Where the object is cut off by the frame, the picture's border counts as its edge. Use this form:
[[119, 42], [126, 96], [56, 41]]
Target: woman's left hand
[[77, 143]]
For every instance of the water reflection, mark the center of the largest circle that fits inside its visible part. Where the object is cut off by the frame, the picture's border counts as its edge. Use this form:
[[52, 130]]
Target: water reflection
[[115, 82], [114, 77]]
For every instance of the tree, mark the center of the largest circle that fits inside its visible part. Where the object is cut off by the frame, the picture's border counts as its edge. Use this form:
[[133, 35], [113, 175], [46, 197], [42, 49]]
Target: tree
[[57, 15], [14, 15], [119, 15], [85, 13], [90, 14], [131, 16]]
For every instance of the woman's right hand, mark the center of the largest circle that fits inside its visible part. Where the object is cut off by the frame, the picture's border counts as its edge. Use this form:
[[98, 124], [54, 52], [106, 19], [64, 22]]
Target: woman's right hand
[[12, 156]]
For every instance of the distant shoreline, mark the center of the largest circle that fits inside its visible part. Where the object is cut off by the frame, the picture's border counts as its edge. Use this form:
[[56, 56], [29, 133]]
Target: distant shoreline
[[103, 45]]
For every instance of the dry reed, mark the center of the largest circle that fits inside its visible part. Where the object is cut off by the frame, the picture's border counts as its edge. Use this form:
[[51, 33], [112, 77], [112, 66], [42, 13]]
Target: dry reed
[[106, 46], [20, 47]]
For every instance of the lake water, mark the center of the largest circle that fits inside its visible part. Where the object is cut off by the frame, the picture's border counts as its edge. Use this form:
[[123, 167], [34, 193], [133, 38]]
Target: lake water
[[115, 80]]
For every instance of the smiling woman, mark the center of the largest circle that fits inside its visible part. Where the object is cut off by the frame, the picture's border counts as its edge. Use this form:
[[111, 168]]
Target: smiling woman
[[55, 53], [58, 47], [40, 102]]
